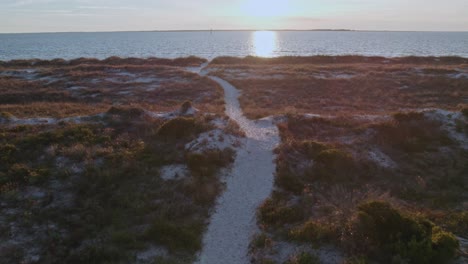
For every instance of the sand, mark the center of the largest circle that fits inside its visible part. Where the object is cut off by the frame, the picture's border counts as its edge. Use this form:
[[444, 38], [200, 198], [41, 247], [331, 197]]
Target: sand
[[248, 184]]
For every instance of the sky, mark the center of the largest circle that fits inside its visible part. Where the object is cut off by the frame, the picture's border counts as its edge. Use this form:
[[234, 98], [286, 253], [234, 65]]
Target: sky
[[135, 15]]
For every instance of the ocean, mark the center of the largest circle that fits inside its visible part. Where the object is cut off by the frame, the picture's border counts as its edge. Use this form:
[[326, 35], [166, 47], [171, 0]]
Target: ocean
[[211, 44]]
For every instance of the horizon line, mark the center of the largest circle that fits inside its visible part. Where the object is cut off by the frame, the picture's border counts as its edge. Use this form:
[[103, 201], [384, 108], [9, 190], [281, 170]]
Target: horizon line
[[220, 30]]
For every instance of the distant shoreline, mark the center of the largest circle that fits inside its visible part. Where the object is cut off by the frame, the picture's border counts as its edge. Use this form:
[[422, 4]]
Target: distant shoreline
[[234, 30]]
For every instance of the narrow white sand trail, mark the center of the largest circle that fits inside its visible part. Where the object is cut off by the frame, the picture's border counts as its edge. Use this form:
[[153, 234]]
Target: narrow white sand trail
[[250, 182]]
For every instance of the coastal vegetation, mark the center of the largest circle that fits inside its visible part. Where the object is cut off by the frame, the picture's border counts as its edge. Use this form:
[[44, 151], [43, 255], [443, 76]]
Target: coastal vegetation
[[121, 160]]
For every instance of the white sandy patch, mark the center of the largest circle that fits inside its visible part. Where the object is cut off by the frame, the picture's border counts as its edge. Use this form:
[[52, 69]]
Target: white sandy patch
[[124, 92], [381, 159], [13, 121], [460, 75], [150, 254], [173, 172], [198, 70], [282, 251], [464, 248], [27, 74], [449, 120], [74, 88], [250, 182], [214, 139]]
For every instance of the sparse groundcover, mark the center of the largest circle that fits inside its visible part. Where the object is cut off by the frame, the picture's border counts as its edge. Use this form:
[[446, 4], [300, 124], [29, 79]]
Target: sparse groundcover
[[91, 193], [388, 190]]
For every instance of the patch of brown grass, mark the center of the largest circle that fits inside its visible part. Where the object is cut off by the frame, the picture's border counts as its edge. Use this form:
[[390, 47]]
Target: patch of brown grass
[[51, 109]]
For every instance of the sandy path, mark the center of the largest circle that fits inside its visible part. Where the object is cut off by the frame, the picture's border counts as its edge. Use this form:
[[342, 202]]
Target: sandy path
[[250, 182]]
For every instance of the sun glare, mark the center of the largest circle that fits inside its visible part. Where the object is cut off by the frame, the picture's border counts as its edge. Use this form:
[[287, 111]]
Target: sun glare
[[265, 8], [264, 43]]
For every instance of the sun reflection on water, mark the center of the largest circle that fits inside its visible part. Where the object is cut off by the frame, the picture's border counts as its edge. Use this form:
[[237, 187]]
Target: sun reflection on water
[[264, 43]]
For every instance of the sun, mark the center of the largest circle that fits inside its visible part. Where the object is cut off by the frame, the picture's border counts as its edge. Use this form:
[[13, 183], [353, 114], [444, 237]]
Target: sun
[[266, 8]]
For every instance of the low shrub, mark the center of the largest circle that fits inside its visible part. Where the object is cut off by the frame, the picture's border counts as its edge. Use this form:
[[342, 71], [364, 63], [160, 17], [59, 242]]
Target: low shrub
[[388, 232], [5, 115], [464, 111], [313, 148], [21, 174], [334, 165], [185, 107], [175, 237], [457, 222], [180, 127], [271, 213], [127, 113], [206, 164], [303, 258], [288, 180], [7, 152], [311, 232], [95, 254], [260, 241]]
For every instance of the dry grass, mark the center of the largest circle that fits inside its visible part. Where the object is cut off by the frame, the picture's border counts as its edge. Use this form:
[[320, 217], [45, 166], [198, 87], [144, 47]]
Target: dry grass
[[85, 86], [56, 110], [357, 85]]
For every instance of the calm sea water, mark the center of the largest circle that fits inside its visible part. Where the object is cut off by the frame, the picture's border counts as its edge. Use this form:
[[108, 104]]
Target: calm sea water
[[231, 43]]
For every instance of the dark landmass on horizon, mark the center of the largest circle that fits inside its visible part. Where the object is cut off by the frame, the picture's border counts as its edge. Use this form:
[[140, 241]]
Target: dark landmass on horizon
[[229, 30]]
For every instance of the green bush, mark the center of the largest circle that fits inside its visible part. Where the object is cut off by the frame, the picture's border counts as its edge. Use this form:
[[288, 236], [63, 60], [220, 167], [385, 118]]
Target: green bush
[[260, 241], [313, 148], [334, 165], [311, 232], [444, 245], [175, 237], [7, 152], [464, 111], [303, 258], [392, 233], [126, 113], [20, 173], [5, 115], [271, 213], [457, 222], [180, 127], [288, 180], [97, 254], [185, 107], [206, 164]]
